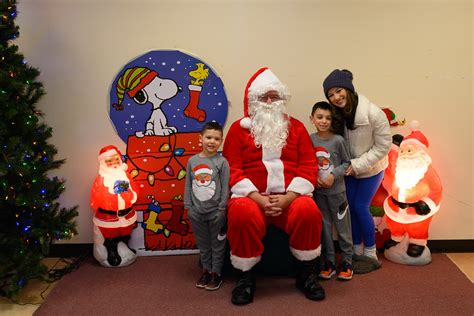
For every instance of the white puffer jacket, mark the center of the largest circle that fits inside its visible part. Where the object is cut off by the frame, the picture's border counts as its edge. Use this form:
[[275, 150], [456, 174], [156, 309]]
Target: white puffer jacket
[[370, 141]]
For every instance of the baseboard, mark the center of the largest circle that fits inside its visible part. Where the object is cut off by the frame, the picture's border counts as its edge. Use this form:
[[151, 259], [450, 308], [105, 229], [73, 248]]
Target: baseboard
[[70, 250], [436, 246], [455, 245]]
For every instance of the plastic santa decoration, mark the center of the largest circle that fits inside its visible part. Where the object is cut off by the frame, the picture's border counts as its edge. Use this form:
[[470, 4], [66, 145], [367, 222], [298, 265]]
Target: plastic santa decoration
[[414, 197], [112, 197]]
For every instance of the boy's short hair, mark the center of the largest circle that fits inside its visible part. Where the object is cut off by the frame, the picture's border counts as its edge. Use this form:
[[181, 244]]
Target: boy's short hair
[[323, 105], [212, 125]]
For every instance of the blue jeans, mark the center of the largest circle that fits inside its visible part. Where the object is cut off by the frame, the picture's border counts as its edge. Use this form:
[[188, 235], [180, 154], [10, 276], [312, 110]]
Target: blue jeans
[[360, 192]]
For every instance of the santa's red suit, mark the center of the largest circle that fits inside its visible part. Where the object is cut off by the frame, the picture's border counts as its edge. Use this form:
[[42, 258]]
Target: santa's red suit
[[293, 168], [113, 212], [402, 203]]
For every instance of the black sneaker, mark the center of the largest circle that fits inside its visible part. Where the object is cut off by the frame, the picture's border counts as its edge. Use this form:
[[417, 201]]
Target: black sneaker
[[203, 280], [214, 283]]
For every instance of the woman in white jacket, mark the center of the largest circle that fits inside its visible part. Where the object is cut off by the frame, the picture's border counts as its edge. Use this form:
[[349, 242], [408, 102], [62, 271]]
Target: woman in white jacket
[[367, 132]]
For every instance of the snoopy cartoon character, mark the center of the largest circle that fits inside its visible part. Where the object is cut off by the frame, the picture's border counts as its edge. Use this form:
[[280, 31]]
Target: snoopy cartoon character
[[144, 85]]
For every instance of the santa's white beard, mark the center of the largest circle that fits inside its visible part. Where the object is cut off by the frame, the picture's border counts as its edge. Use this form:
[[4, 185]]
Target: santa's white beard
[[204, 192], [324, 167], [111, 175], [410, 170], [269, 125]]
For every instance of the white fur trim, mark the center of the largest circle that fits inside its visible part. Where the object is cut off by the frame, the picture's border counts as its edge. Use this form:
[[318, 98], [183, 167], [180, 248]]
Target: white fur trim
[[274, 167], [402, 217], [301, 186], [419, 242], [306, 255], [397, 238], [324, 154], [135, 196], [194, 87], [120, 202], [264, 79], [243, 188], [415, 142], [246, 123], [120, 222], [203, 170], [108, 153], [244, 264]]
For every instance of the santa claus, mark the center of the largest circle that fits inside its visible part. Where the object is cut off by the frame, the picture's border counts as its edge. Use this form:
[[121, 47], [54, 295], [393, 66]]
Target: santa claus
[[273, 171], [112, 197], [414, 194]]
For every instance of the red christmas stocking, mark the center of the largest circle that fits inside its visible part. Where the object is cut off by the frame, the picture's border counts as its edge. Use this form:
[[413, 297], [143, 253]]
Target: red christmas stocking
[[176, 223], [191, 109]]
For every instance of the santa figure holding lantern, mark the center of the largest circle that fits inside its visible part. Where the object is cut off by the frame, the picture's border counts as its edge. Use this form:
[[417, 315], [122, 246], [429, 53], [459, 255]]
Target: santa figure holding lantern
[[414, 197], [112, 197]]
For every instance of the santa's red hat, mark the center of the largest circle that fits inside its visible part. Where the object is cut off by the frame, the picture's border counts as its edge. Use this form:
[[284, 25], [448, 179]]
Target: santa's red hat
[[322, 152], [416, 137], [109, 151], [202, 168], [262, 81]]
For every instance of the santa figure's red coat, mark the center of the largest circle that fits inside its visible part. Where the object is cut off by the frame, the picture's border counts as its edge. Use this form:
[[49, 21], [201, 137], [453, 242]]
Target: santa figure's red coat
[[113, 225]]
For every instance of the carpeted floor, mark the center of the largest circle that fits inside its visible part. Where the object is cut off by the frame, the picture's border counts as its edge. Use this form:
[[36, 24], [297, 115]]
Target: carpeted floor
[[165, 286]]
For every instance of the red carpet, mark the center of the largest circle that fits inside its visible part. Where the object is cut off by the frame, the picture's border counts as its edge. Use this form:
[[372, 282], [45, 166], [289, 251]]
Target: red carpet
[[165, 286]]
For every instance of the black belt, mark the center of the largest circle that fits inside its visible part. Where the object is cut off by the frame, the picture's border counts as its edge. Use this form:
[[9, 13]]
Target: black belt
[[119, 213], [403, 205]]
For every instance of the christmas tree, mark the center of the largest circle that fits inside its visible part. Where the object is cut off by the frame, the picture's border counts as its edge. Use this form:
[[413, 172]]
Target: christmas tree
[[30, 217]]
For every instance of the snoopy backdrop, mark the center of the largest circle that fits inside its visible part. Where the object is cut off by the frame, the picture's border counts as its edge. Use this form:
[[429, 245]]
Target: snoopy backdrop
[[158, 105]]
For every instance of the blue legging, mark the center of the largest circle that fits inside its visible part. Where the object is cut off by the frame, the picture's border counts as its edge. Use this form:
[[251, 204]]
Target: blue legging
[[360, 192]]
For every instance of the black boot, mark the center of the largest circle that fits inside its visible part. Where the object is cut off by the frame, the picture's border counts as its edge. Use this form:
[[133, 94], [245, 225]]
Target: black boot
[[113, 258], [307, 280], [125, 239], [415, 250], [244, 290], [390, 243]]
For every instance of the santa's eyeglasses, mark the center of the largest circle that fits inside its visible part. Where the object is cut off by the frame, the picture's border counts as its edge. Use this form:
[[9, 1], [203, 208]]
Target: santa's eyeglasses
[[272, 96]]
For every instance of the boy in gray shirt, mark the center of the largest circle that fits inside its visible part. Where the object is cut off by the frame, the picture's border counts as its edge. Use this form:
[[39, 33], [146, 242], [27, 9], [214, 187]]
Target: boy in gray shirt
[[205, 197], [330, 194]]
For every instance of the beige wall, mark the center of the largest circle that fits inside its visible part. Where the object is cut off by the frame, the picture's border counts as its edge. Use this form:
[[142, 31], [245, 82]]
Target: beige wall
[[414, 56]]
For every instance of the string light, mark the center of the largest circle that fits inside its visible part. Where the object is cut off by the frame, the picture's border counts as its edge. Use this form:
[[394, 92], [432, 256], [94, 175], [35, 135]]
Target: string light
[[181, 174], [165, 147], [168, 169], [134, 173], [151, 179]]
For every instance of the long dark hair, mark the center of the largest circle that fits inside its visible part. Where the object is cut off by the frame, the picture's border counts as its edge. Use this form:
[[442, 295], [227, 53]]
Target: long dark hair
[[345, 116]]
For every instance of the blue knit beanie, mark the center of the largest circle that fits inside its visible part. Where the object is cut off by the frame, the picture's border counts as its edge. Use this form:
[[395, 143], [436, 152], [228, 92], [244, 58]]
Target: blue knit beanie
[[338, 78]]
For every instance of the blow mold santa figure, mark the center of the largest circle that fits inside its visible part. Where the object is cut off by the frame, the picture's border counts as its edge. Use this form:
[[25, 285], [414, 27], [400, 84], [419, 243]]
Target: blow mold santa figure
[[414, 197], [112, 197]]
